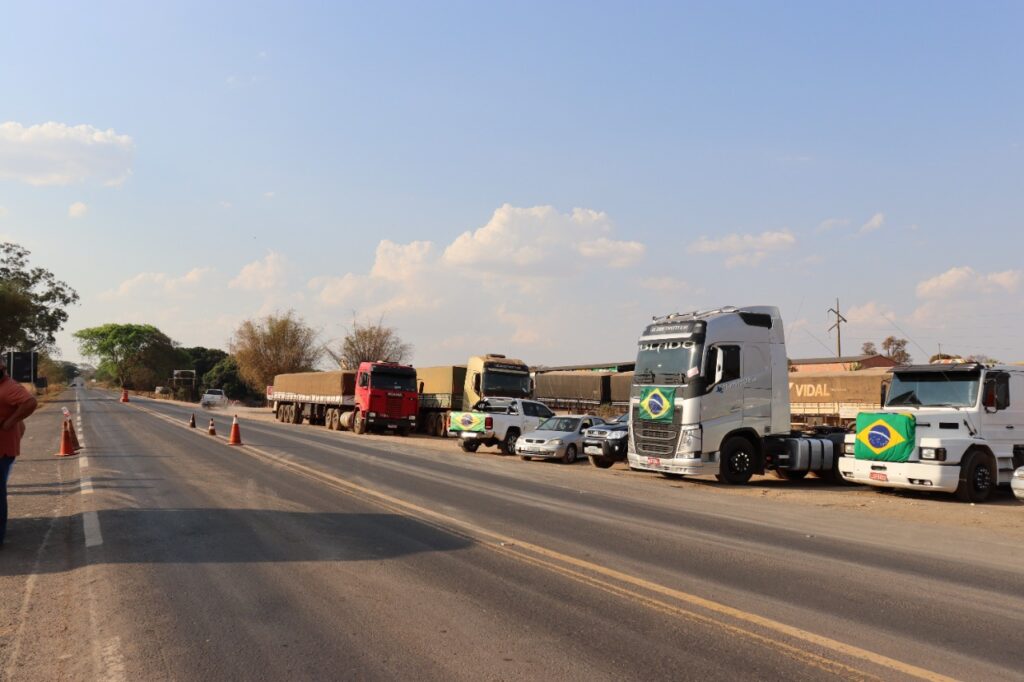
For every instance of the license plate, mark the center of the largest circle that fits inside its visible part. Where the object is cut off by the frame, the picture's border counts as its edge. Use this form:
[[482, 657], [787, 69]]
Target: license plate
[[392, 426], [879, 476], [654, 461], [592, 450], [468, 434]]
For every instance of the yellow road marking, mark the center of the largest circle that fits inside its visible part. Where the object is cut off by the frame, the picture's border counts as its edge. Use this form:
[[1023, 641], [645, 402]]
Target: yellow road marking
[[513, 547]]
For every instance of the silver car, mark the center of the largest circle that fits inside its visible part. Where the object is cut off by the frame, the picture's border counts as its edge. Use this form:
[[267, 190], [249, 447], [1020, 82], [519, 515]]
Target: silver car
[[557, 438], [1017, 483]]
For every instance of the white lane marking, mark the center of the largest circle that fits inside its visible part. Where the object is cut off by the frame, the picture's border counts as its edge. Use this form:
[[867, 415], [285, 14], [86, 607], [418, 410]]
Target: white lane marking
[[83, 461], [93, 536], [87, 488]]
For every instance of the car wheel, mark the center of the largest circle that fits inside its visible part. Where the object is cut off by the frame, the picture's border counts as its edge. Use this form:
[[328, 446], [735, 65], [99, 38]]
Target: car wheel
[[738, 461], [976, 478], [526, 458], [570, 454], [601, 461]]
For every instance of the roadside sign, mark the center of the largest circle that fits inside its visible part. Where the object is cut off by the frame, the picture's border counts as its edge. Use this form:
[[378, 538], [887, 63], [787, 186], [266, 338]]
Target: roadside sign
[[21, 366]]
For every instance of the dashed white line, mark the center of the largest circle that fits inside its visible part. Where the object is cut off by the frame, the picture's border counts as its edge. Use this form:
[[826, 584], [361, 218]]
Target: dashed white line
[[93, 536]]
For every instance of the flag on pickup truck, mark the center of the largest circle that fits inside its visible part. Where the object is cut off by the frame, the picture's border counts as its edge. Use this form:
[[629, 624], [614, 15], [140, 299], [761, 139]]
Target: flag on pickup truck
[[467, 421], [885, 437], [657, 404]]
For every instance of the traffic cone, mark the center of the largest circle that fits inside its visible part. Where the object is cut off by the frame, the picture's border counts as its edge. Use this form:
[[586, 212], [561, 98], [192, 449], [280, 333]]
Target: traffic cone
[[212, 430], [74, 436], [124, 395], [236, 434], [66, 449], [192, 421]]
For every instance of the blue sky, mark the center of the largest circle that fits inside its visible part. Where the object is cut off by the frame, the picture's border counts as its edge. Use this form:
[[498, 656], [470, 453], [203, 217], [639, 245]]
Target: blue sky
[[719, 153]]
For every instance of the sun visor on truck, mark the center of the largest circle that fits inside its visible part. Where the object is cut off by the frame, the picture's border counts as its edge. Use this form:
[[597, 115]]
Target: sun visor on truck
[[885, 437]]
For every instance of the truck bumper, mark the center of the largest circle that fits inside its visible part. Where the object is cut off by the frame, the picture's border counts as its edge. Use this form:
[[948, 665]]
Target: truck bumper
[[389, 423], [1017, 484], [472, 435], [612, 449], [907, 475], [685, 466]]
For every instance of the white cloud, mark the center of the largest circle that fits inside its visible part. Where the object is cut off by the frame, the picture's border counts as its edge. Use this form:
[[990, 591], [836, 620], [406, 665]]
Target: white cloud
[[158, 282], [59, 154], [873, 224], [269, 195], [966, 280], [267, 273], [832, 223], [745, 249], [615, 254], [400, 261], [77, 210], [868, 313], [336, 291]]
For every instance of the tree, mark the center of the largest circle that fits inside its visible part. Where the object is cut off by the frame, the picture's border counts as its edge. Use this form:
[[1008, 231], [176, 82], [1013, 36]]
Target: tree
[[202, 360], [275, 344], [982, 358], [896, 349], [225, 375], [129, 351], [369, 342], [32, 302], [868, 348]]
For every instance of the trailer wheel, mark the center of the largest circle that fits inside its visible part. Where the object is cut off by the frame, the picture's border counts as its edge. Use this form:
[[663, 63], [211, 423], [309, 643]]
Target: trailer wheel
[[788, 475], [442, 425], [359, 424], [601, 461], [738, 461], [976, 477], [469, 445]]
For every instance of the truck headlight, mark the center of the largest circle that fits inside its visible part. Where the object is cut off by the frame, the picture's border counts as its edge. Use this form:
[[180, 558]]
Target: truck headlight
[[689, 439], [617, 435], [936, 454], [849, 448], [371, 415]]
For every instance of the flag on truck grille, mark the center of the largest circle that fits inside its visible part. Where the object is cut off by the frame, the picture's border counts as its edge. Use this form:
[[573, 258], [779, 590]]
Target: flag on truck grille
[[657, 404], [884, 437], [467, 421]]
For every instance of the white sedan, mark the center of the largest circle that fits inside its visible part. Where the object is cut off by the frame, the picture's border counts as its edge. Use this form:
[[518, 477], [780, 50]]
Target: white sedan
[[1017, 483]]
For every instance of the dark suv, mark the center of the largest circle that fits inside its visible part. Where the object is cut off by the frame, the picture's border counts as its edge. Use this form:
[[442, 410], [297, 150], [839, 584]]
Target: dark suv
[[606, 444]]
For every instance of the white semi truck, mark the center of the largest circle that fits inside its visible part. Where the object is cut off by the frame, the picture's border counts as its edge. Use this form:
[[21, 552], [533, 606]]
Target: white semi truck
[[711, 396], [952, 428]]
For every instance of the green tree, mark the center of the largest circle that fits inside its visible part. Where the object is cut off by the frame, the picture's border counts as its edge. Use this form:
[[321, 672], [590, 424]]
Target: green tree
[[128, 352], [32, 302], [896, 349], [225, 375], [271, 345], [202, 360]]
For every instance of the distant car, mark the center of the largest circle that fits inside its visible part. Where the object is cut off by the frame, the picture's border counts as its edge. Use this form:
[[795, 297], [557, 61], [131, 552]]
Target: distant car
[[557, 438], [162, 390], [1017, 483], [214, 397], [605, 443]]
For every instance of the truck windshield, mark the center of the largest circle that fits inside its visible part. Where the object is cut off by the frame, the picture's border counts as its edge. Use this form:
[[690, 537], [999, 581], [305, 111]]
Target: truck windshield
[[668, 361], [933, 390], [506, 384], [392, 381]]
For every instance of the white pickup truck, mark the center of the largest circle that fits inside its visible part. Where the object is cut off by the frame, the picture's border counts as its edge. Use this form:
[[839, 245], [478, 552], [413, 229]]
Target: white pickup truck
[[497, 421], [214, 397]]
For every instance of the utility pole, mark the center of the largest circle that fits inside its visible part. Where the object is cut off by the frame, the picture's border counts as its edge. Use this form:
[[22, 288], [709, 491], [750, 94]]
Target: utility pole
[[837, 326]]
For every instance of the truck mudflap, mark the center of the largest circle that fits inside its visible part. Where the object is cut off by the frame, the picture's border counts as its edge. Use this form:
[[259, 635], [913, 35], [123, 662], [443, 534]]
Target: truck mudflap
[[907, 475]]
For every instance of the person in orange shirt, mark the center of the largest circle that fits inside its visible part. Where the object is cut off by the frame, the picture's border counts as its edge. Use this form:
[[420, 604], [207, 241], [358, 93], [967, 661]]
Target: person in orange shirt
[[15, 405]]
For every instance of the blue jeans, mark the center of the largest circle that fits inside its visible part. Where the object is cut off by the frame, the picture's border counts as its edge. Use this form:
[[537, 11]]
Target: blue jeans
[[5, 470]]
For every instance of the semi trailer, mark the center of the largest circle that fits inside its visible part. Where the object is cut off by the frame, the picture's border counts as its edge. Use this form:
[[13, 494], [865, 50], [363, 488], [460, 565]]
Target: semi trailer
[[460, 387], [379, 396], [710, 395]]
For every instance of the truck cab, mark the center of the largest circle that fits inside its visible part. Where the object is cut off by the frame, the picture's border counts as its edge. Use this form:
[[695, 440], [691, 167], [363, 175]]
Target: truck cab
[[386, 398], [495, 376], [952, 428]]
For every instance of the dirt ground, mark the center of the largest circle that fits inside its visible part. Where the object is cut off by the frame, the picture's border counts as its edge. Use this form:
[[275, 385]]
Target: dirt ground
[[1004, 513]]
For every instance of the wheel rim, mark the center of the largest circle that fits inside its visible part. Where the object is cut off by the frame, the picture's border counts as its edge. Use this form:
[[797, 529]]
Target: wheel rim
[[740, 462], [982, 478]]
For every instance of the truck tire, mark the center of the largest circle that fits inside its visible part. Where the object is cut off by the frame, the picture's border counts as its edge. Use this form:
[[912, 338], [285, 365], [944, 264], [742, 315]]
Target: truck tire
[[508, 446], [468, 445], [570, 454], [977, 478], [739, 460], [601, 461], [359, 424], [403, 431], [789, 475]]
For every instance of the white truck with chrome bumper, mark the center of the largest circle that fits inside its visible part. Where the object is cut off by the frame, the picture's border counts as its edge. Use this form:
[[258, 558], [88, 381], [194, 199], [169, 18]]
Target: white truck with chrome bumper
[[929, 471], [687, 460]]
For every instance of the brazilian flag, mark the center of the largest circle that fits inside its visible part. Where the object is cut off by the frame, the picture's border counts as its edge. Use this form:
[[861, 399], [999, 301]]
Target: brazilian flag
[[467, 421], [885, 437], [657, 404]]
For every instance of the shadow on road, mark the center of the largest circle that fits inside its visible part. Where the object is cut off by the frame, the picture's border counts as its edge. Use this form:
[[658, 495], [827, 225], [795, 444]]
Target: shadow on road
[[197, 536]]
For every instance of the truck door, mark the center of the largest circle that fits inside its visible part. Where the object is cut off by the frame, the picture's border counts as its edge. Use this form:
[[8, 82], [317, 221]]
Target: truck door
[[721, 408], [1002, 417], [757, 387]]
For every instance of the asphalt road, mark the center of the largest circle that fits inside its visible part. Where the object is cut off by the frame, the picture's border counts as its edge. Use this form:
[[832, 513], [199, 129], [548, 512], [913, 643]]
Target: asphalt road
[[310, 554]]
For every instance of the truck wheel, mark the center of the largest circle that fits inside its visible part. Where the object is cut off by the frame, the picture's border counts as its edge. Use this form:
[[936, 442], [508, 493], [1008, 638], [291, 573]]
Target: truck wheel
[[738, 461], [976, 478], [442, 425], [788, 475], [508, 446], [359, 424], [601, 462], [469, 445], [570, 454], [403, 431]]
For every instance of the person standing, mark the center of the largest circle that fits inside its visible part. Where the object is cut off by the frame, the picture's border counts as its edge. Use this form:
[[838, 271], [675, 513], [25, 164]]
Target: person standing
[[16, 404]]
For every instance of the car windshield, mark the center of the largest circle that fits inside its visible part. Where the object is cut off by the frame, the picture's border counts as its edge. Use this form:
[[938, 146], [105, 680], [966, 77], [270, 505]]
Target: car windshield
[[669, 361], [933, 389], [506, 384], [393, 381], [621, 419], [562, 424], [214, 391]]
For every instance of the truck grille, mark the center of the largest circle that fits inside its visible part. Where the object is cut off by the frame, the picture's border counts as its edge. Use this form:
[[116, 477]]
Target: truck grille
[[394, 407], [655, 439]]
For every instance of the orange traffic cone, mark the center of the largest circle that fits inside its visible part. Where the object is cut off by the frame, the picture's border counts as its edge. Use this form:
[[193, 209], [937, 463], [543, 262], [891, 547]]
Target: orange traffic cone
[[66, 449], [74, 436], [236, 434], [124, 395], [192, 421], [212, 430]]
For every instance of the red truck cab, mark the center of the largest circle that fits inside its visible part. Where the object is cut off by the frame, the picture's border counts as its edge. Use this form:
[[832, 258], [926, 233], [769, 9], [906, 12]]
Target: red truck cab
[[386, 398]]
